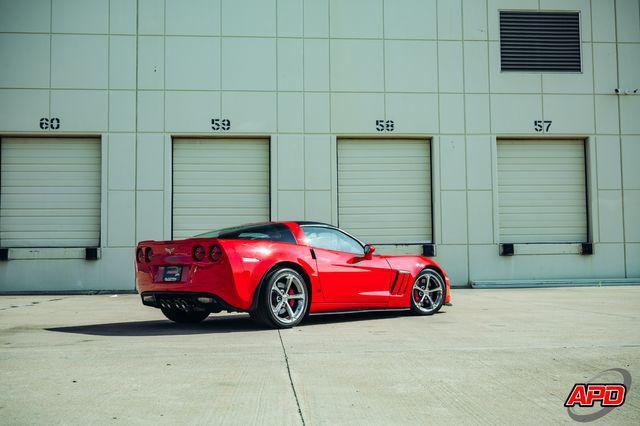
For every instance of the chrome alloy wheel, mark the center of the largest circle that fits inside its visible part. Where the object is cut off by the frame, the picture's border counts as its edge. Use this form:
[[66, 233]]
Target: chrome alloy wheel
[[288, 297], [428, 291]]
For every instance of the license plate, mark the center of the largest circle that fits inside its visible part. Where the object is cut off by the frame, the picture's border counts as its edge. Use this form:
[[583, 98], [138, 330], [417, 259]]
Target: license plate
[[172, 273]]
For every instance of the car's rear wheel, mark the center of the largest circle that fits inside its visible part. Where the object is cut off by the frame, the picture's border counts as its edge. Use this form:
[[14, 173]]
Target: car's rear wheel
[[284, 299], [189, 317], [428, 292]]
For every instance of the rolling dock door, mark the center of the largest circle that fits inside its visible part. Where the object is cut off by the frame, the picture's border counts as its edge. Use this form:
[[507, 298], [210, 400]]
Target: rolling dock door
[[50, 192], [219, 183], [542, 196], [384, 191]]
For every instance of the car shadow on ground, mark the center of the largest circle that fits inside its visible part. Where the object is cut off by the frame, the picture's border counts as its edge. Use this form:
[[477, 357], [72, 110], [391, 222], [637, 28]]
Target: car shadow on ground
[[232, 323]]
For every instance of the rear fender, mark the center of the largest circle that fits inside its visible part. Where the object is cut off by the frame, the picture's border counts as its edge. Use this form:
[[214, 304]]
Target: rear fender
[[258, 260]]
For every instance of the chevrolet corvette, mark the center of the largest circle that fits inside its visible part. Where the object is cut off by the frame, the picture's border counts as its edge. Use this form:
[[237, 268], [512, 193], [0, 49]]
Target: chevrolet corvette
[[279, 272]]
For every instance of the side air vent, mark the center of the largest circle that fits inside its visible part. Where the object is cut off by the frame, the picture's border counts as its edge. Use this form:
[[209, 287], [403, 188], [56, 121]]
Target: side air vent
[[540, 41]]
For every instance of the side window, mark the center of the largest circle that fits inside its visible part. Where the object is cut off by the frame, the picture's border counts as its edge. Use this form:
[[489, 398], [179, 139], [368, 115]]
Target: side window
[[331, 239]]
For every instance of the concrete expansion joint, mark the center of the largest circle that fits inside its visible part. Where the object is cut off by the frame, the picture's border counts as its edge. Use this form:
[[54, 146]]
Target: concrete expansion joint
[[293, 388]]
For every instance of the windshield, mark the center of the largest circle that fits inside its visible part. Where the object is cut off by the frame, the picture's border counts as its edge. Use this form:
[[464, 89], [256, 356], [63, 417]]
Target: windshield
[[262, 231]]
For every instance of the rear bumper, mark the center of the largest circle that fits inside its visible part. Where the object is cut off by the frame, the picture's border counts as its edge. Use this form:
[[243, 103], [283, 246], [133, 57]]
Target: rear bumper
[[196, 301], [197, 282]]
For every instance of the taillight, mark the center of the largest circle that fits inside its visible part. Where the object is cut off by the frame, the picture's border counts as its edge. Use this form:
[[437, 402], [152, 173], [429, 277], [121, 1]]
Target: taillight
[[215, 253], [198, 253], [148, 254], [140, 255]]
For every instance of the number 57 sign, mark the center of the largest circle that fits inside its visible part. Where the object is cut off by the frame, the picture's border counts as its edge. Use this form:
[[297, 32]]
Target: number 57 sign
[[541, 125]]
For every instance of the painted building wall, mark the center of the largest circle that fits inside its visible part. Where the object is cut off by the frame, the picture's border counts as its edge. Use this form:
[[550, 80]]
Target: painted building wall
[[305, 73]]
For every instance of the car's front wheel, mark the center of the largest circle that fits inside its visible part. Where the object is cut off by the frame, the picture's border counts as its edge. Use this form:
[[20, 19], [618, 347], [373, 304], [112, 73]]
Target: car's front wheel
[[284, 299], [428, 292], [189, 317]]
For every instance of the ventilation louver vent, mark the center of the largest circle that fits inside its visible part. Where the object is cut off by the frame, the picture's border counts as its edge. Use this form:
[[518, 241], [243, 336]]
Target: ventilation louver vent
[[540, 41]]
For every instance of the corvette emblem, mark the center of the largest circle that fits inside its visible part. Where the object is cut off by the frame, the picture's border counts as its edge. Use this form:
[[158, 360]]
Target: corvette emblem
[[170, 250]]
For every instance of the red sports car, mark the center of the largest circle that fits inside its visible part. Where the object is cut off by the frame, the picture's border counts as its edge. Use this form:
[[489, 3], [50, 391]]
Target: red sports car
[[279, 272]]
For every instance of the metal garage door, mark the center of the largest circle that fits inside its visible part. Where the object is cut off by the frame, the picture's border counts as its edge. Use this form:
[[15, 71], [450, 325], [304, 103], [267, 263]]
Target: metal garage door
[[542, 191], [50, 192], [384, 190], [219, 183]]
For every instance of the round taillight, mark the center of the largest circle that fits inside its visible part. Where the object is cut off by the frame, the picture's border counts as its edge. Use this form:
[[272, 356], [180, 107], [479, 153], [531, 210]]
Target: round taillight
[[148, 254], [198, 253], [215, 253], [140, 255]]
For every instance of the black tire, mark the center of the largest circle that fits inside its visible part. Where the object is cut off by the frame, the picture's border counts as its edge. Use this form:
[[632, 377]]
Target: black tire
[[264, 312], [185, 317], [435, 280]]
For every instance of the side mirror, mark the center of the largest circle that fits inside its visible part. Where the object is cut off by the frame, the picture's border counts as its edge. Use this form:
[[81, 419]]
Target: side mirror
[[368, 251]]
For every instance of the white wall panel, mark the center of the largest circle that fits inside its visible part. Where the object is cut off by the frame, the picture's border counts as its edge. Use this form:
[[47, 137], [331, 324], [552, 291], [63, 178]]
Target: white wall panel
[[150, 111], [628, 20], [81, 110], [151, 17], [450, 70], [79, 61], [316, 18], [356, 113], [410, 19], [151, 161], [290, 18], [515, 113], [191, 111], [25, 16], [193, 17], [631, 215], [356, 18], [476, 67], [477, 114], [569, 113], [290, 112], [290, 64], [604, 20], [357, 65], [121, 148], [122, 62], [317, 113], [249, 18], [24, 60], [317, 154], [21, 110], [474, 16], [413, 112], [193, 63], [122, 17], [248, 64], [151, 62], [411, 66], [80, 16], [450, 19], [122, 110], [630, 154], [316, 65], [291, 160], [250, 111]]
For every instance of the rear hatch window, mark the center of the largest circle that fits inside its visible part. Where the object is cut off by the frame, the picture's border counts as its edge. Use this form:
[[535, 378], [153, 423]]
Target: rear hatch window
[[264, 231]]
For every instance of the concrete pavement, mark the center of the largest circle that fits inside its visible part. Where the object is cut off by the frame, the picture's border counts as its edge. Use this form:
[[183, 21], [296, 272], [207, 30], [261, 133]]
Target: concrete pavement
[[496, 356]]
